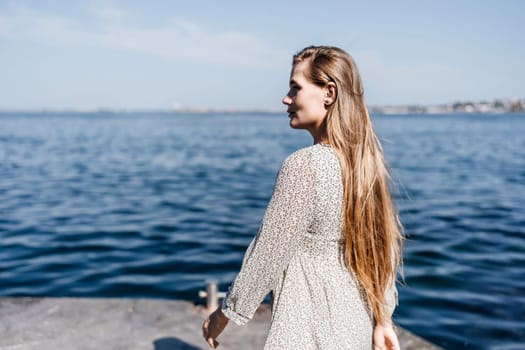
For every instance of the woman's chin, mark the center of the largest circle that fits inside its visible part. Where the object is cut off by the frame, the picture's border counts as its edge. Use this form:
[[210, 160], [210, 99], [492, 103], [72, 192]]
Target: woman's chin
[[294, 124]]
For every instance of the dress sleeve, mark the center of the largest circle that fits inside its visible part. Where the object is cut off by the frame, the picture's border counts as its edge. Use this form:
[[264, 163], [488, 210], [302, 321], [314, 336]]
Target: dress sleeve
[[391, 297], [287, 217]]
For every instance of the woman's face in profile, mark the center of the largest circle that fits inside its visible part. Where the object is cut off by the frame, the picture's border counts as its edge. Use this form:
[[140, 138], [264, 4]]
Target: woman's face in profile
[[305, 100]]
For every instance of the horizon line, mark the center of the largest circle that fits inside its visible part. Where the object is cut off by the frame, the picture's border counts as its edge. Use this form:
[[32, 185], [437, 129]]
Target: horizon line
[[495, 104], [244, 110]]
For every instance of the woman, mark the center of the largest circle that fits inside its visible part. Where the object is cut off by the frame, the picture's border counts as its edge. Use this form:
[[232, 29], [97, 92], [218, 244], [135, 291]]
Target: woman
[[330, 242]]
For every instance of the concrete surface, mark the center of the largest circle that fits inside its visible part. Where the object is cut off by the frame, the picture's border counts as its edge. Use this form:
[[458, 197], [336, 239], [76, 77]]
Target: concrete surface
[[91, 323]]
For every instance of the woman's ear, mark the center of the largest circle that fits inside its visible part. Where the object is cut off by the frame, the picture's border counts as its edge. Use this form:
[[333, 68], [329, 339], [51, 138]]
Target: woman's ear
[[330, 93]]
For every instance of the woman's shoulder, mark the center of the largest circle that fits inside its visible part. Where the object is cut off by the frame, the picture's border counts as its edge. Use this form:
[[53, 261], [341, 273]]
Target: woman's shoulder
[[307, 156]]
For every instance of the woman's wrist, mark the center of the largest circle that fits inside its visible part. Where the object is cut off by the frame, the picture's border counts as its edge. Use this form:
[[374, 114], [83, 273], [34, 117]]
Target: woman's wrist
[[220, 315], [386, 323]]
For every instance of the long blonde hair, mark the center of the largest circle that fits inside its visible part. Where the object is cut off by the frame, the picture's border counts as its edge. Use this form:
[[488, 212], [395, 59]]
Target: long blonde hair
[[372, 231]]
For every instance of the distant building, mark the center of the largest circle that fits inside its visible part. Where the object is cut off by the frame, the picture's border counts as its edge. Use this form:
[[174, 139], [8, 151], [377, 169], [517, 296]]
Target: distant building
[[493, 107]]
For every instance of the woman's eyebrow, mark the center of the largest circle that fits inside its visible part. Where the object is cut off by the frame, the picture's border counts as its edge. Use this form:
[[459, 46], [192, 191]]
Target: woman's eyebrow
[[293, 82]]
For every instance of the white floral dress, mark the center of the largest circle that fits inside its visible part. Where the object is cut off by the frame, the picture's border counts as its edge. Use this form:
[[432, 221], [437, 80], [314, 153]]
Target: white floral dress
[[298, 255]]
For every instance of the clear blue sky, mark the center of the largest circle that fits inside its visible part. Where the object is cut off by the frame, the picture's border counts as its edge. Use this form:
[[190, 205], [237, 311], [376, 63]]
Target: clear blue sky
[[236, 54]]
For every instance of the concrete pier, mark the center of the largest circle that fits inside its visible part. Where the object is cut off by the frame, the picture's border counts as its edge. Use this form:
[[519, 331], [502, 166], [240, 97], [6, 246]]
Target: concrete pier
[[113, 324]]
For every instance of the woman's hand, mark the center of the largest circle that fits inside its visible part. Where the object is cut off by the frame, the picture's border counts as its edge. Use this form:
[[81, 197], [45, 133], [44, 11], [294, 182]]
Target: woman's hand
[[385, 337], [213, 327]]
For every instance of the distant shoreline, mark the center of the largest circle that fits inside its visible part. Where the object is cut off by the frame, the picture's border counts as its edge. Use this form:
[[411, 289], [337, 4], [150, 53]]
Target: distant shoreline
[[461, 107], [220, 112]]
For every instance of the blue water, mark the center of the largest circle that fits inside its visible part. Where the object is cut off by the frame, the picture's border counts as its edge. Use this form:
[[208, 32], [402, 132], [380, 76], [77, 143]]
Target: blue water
[[153, 205]]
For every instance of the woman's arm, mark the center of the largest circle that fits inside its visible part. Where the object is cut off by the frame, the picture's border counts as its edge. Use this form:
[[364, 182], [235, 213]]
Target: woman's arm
[[385, 337], [289, 214]]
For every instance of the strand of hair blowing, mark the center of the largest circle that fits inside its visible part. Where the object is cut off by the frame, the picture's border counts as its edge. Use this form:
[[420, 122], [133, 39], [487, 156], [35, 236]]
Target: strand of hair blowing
[[372, 231]]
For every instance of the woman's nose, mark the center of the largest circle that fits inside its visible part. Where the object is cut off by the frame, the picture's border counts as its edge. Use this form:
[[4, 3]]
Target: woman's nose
[[287, 100]]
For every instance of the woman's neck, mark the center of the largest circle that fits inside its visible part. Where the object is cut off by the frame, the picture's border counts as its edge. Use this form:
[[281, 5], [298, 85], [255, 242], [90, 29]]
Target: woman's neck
[[320, 138], [319, 133]]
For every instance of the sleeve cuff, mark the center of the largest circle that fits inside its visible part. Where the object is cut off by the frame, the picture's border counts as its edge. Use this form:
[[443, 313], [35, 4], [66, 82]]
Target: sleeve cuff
[[237, 318]]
